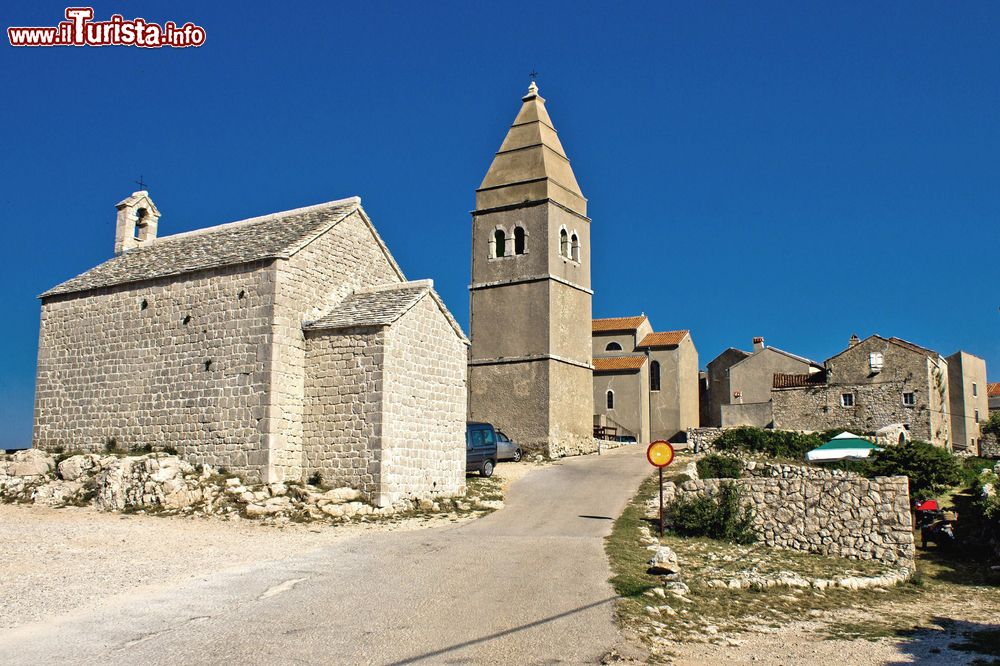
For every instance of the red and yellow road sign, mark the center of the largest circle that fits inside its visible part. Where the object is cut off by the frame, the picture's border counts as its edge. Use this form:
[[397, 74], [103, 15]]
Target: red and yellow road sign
[[660, 454]]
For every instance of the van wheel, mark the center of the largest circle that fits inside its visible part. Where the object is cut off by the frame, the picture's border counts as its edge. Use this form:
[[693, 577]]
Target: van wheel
[[487, 469], [517, 455]]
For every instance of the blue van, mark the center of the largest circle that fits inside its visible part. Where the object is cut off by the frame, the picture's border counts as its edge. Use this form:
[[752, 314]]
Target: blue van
[[480, 448]]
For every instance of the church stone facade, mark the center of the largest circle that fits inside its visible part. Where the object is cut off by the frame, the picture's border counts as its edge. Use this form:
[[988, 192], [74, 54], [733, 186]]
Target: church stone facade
[[274, 347], [530, 370]]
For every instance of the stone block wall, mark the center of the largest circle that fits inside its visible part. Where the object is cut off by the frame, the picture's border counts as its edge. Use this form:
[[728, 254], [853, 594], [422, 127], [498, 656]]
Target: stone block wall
[[820, 512], [424, 407], [342, 425], [989, 447], [875, 406], [702, 439], [337, 263], [170, 363]]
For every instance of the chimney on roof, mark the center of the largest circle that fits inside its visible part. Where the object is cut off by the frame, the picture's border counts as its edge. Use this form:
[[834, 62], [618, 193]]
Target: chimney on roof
[[758, 344], [854, 340]]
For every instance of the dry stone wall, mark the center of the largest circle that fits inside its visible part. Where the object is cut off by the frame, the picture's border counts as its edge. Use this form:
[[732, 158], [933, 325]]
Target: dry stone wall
[[989, 447], [834, 514], [703, 439]]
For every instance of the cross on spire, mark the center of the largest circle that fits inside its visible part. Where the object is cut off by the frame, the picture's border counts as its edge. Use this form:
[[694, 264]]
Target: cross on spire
[[140, 183], [533, 74]]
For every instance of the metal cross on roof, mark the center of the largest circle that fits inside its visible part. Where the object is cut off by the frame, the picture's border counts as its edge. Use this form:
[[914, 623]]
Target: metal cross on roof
[[534, 74], [140, 183]]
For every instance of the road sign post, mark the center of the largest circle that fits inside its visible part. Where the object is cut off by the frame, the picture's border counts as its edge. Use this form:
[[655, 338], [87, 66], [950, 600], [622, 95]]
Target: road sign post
[[660, 454]]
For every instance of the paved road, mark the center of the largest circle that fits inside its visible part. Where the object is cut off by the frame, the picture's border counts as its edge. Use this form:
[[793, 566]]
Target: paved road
[[527, 584]]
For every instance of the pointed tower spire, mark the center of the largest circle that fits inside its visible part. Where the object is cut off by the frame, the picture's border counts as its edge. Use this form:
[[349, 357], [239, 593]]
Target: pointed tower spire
[[531, 164], [530, 363]]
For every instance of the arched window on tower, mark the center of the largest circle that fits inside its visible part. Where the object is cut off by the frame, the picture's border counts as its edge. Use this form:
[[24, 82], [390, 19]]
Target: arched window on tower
[[611, 399], [654, 376], [563, 243], [575, 248], [500, 240], [518, 240], [613, 346]]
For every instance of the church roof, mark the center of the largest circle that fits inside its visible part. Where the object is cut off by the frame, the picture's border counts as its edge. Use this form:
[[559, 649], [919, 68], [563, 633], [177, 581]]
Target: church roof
[[664, 339], [531, 164], [616, 324], [382, 305], [615, 363], [278, 235]]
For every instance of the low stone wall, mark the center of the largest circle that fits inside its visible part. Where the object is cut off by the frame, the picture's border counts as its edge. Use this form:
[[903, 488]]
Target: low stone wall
[[823, 512], [770, 470], [702, 439], [989, 447]]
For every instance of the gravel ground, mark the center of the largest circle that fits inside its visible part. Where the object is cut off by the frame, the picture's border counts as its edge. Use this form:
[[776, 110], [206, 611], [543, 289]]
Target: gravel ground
[[57, 560], [939, 640]]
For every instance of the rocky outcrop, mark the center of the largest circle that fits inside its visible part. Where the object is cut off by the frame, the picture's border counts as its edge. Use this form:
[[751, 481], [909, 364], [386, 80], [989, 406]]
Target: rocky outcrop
[[161, 483]]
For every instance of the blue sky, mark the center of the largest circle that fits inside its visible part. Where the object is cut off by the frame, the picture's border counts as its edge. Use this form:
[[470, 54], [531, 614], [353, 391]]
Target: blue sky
[[796, 170]]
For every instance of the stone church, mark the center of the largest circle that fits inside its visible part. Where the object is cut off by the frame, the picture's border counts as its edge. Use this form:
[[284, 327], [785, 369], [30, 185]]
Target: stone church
[[530, 370], [276, 347]]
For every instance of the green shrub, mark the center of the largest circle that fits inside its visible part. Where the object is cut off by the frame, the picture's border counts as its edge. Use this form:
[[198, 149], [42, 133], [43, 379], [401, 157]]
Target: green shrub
[[774, 443], [930, 469], [718, 517], [992, 425], [315, 479], [715, 466]]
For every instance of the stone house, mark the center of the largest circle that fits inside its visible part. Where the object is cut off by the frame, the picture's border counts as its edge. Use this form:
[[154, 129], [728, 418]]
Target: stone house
[[739, 384], [871, 384], [275, 347], [530, 369], [968, 400], [993, 395], [645, 382]]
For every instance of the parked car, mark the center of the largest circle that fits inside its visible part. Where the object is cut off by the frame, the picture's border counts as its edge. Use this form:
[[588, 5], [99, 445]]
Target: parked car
[[480, 448], [507, 449]]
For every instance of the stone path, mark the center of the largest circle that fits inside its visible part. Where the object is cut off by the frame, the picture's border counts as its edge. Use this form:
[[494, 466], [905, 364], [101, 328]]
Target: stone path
[[527, 584]]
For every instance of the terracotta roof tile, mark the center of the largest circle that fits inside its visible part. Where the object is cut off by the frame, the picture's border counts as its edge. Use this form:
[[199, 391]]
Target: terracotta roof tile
[[993, 390], [617, 363], [782, 380], [616, 324], [664, 339]]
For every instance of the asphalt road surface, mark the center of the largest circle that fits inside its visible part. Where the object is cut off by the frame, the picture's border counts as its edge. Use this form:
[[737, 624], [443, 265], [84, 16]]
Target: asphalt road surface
[[524, 585]]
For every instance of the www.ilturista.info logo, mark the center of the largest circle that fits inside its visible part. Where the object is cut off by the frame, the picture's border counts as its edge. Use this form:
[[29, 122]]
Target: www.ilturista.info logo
[[79, 29]]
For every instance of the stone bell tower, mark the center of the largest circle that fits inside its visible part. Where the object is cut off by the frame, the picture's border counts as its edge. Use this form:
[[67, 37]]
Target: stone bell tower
[[136, 222], [530, 370]]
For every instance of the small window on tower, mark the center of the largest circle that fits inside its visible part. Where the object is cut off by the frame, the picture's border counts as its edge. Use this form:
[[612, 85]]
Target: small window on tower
[[140, 222], [611, 399], [654, 376], [575, 248], [518, 240], [500, 240], [563, 243]]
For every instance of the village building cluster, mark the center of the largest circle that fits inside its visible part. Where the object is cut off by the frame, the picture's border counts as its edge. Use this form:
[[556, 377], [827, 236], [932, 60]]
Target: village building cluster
[[292, 346]]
